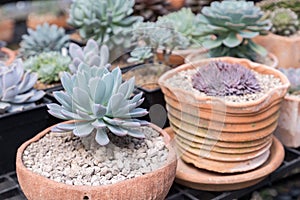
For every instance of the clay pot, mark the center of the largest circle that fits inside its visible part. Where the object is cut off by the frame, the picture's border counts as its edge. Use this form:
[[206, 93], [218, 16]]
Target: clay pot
[[204, 55], [286, 49], [11, 55], [154, 185], [288, 130], [176, 4], [7, 27], [210, 120]]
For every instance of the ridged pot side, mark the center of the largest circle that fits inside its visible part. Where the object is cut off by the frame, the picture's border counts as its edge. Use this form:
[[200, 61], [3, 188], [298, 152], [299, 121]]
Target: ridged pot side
[[286, 49], [231, 107], [154, 185], [288, 130]]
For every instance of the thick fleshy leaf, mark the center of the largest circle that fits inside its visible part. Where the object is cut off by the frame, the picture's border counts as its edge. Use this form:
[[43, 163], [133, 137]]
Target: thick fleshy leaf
[[104, 53], [66, 127], [4, 107], [29, 79], [99, 124], [210, 44], [64, 99], [101, 137], [83, 129], [82, 99], [117, 130], [232, 40], [127, 87], [97, 90], [71, 115], [10, 93], [136, 133], [98, 110]]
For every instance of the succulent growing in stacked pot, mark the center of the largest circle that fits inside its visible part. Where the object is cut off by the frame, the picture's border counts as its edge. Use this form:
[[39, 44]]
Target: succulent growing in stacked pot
[[232, 25], [236, 104], [17, 92], [288, 126], [283, 39], [103, 111], [44, 39]]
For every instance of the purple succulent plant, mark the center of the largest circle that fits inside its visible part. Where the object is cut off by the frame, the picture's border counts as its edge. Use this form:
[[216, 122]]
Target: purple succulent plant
[[225, 79]]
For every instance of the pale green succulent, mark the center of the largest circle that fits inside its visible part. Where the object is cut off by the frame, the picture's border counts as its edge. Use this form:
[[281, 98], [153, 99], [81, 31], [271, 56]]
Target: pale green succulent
[[106, 21], [48, 66], [16, 88], [187, 24], [232, 25], [270, 5], [284, 21], [44, 39], [91, 55], [98, 101], [140, 54]]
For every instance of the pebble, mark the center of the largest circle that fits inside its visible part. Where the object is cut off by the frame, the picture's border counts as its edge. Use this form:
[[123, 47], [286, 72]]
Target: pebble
[[63, 158]]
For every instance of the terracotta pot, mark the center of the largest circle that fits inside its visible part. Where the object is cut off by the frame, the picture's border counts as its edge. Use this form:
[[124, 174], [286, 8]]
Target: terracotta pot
[[178, 56], [286, 49], [204, 55], [7, 27], [154, 185], [213, 119], [288, 130], [11, 55], [176, 4]]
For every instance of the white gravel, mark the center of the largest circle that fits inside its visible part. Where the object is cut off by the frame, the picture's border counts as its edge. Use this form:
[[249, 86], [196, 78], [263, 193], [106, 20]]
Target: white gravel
[[63, 158]]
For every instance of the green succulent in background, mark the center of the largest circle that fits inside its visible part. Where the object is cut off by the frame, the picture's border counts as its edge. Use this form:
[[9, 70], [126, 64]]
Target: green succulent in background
[[106, 21], [98, 101], [44, 39], [293, 75], [140, 54], [159, 35], [232, 24], [284, 21], [16, 88], [186, 23], [48, 66], [270, 5], [91, 55]]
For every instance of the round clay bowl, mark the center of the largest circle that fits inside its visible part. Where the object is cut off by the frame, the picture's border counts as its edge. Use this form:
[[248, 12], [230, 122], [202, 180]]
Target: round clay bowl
[[208, 114], [190, 176], [37, 187], [221, 135], [223, 157], [217, 149], [218, 143], [223, 126], [207, 102], [222, 166]]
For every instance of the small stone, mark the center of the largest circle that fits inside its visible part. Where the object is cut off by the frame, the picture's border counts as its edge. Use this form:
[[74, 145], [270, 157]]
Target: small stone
[[120, 164]]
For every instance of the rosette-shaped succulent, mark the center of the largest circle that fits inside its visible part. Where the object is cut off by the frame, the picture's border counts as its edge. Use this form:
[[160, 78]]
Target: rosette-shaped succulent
[[48, 66], [225, 79], [232, 24], [293, 74], [98, 101], [91, 55], [285, 22], [186, 23], [44, 39], [104, 21], [16, 88], [270, 5]]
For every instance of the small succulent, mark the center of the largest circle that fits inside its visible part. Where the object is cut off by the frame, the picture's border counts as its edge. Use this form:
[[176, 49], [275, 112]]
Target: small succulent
[[285, 22], [187, 24], [270, 5], [107, 22], [48, 66], [158, 35], [91, 55], [44, 39], [293, 75], [98, 101], [150, 10], [16, 88], [139, 55], [233, 24], [225, 79]]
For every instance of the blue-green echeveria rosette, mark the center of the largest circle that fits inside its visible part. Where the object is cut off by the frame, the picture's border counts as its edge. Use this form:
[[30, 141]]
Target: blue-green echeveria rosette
[[97, 101], [16, 88]]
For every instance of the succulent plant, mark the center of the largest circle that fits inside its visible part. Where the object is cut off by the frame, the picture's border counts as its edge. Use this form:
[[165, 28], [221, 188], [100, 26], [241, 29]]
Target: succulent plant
[[232, 25], [140, 54], [98, 101], [225, 79], [44, 39], [107, 22], [197, 5], [187, 24], [91, 55], [150, 10], [285, 22], [158, 35], [16, 88], [270, 5], [48, 66], [293, 75]]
